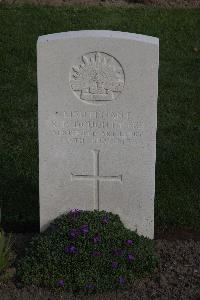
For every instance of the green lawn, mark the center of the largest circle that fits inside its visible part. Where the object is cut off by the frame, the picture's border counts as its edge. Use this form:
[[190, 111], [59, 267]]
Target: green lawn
[[177, 203]]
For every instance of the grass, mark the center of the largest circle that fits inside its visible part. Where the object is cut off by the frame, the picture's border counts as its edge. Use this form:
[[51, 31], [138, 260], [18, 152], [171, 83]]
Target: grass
[[177, 202]]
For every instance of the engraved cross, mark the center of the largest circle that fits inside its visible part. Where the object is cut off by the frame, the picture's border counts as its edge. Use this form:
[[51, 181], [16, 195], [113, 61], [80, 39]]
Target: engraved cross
[[96, 178]]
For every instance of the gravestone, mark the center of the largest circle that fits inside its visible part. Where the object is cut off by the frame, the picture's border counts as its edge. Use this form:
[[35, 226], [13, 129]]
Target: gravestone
[[97, 95]]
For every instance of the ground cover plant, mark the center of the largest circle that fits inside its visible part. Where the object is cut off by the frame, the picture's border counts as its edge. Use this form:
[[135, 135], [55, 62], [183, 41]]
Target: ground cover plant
[[177, 182], [87, 251], [6, 255]]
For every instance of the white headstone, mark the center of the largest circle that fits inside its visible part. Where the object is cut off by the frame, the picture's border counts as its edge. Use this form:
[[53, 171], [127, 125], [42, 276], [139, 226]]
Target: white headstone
[[97, 125]]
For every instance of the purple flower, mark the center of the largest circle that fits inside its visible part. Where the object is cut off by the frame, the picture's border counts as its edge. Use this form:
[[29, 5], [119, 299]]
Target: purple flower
[[96, 238], [89, 286], [74, 233], [74, 213], [130, 257], [96, 253], [105, 220], [115, 264], [71, 249], [129, 242], [60, 282], [121, 279], [118, 252], [84, 228]]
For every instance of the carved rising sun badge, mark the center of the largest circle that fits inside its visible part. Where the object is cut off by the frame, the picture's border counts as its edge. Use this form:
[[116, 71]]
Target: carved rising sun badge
[[97, 78]]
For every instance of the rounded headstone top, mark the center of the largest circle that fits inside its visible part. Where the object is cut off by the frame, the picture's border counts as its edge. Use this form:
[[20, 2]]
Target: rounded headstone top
[[99, 34]]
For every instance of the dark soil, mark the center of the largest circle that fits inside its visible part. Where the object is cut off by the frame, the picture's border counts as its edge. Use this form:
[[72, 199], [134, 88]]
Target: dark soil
[[177, 277], [130, 3], [176, 234]]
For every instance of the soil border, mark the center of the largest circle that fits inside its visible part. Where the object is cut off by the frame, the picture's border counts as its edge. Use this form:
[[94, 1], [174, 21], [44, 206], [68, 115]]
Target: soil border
[[111, 3]]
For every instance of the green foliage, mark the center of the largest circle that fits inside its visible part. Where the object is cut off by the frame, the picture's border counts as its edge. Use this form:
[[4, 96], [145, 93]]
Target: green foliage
[[88, 251], [5, 251]]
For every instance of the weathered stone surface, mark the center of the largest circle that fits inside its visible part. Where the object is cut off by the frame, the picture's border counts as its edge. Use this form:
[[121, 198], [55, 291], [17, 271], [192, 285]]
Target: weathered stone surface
[[97, 125]]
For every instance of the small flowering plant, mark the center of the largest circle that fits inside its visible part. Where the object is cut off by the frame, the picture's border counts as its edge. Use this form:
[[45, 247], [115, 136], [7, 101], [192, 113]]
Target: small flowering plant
[[89, 251]]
